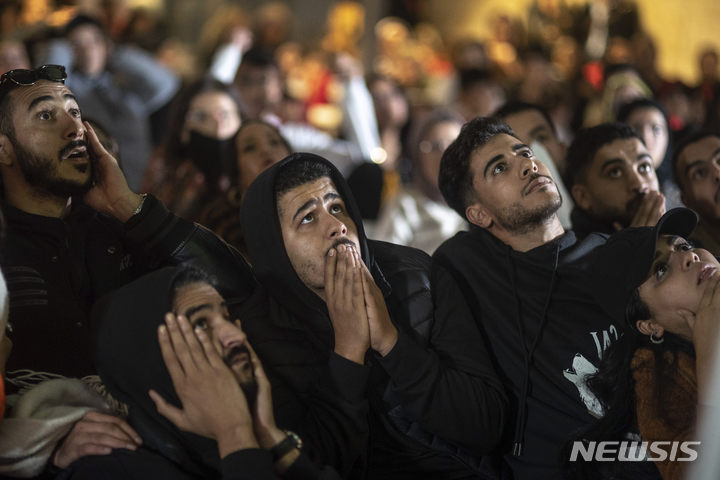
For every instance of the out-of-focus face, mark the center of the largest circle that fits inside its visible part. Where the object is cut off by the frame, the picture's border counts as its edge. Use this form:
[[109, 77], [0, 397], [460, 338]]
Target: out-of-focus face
[[431, 148], [514, 190], [213, 114], [615, 183], [90, 48], [49, 140], [676, 283], [13, 56], [206, 310], [698, 171], [650, 124], [391, 108], [313, 219], [258, 147], [260, 88], [531, 126]]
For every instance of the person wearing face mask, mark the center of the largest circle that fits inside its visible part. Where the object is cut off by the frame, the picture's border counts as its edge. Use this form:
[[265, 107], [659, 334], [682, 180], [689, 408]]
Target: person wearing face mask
[[196, 164], [258, 145]]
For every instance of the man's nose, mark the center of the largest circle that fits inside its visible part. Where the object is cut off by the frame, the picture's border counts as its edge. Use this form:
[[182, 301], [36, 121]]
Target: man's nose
[[529, 166], [638, 182], [230, 334], [74, 130], [336, 227]]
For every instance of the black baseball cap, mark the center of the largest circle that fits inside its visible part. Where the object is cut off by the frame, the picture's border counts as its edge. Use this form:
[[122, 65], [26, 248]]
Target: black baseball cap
[[623, 263]]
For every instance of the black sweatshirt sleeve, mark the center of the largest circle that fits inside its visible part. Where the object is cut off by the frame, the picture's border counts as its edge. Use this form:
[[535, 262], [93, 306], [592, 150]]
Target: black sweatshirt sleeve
[[331, 417], [450, 388], [256, 464], [157, 237]]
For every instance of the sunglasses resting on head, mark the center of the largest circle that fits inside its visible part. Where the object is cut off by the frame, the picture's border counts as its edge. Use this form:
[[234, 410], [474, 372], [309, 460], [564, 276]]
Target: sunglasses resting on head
[[24, 78]]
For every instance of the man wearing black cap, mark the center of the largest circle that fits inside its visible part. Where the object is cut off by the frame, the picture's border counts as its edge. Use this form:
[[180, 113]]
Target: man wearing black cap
[[351, 345], [528, 285]]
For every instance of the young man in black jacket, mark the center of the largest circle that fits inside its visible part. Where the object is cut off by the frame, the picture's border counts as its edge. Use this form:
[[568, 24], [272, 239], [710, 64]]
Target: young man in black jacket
[[526, 282], [360, 366], [59, 255]]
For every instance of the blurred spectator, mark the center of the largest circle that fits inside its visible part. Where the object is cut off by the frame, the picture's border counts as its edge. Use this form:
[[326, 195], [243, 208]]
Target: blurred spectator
[[696, 166], [260, 84], [120, 87], [648, 119], [418, 215], [13, 55], [258, 145], [479, 94], [197, 163], [622, 85]]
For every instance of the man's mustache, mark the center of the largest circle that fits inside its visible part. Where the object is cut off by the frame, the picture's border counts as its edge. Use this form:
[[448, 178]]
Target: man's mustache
[[235, 351], [72, 146], [341, 241]]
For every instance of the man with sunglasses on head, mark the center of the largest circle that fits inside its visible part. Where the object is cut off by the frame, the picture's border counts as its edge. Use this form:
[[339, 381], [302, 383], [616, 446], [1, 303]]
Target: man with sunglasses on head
[[75, 231]]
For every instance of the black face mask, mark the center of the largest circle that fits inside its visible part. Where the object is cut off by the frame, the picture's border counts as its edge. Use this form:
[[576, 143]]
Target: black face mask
[[212, 156]]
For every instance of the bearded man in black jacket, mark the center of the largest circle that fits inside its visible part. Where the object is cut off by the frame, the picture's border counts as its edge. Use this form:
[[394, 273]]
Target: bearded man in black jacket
[[360, 368], [526, 282]]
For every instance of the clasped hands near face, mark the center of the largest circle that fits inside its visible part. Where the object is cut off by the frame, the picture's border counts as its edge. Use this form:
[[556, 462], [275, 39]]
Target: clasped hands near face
[[356, 306], [213, 403]]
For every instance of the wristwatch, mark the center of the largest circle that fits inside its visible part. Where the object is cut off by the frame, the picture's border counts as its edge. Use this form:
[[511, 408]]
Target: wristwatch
[[291, 440]]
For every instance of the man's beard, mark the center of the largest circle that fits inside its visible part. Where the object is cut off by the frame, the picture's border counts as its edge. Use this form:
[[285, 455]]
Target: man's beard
[[42, 172], [248, 386], [517, 220]]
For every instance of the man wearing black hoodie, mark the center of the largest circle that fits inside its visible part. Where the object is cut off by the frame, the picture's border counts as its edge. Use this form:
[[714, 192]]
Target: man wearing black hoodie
[[526, 282], [360, 368]]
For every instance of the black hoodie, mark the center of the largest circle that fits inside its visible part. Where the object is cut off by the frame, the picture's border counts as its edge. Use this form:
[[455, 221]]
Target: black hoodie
[[436, 384], [130, 363], [543, 317]]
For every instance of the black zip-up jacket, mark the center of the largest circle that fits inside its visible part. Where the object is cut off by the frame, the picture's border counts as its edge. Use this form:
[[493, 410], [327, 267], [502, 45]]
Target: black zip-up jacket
[[542, 316], [436, 384], [56, 268]]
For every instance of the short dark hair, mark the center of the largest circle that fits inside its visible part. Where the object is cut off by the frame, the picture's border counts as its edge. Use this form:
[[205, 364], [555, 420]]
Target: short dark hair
[[627, 109], [188, 274], [299, 171], [455, 179], [82, 20], [586, 144], [682, 144], [514, 107]]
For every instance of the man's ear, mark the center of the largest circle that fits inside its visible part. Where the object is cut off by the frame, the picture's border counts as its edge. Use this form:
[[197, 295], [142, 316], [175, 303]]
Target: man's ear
[[581, 196], [7, 151], [478, 215], [650, 327]]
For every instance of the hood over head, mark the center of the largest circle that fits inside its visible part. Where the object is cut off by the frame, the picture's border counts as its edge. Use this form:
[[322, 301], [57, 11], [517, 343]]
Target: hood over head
[[130, 363], [265, 245]]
